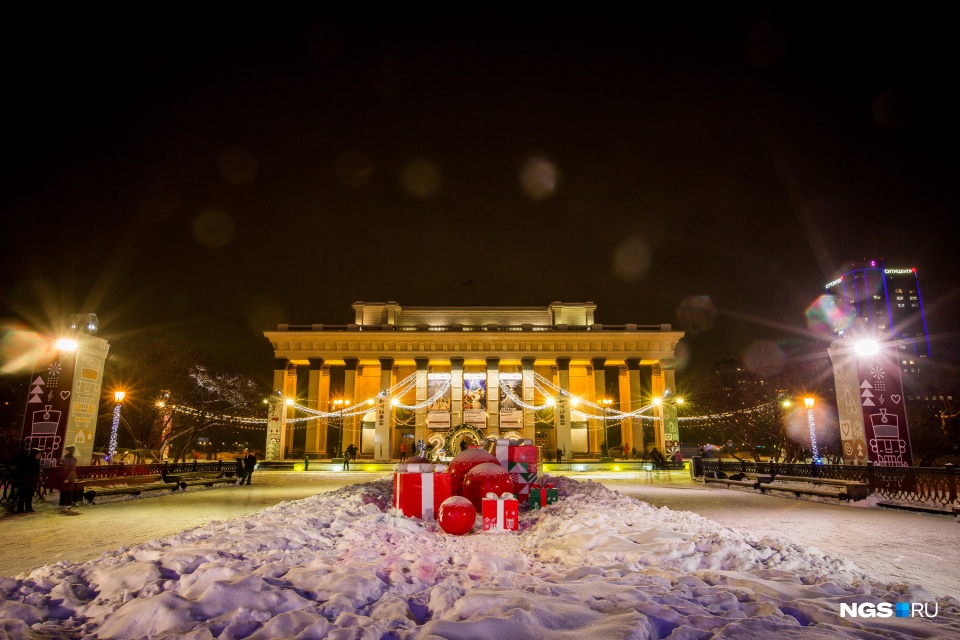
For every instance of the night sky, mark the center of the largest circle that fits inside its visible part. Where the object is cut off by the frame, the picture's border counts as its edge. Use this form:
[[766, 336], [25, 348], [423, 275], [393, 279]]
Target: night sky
[[209, 176]]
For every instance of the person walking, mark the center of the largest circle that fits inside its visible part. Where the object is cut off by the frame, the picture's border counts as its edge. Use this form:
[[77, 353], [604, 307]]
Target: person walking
[[68, 479], [240, 470], [658, 459], [27, 479], [249, 466], [626, 451], [306, 462], [403, 451], [559, 455]]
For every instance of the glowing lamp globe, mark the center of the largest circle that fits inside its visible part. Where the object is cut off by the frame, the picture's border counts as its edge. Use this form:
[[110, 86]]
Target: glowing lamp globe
[[457, 515], [485, 478], [462, 463]]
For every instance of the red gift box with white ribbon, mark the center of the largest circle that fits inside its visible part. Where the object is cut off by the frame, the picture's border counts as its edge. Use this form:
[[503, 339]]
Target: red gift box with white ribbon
[[418, 494], [500, 513]]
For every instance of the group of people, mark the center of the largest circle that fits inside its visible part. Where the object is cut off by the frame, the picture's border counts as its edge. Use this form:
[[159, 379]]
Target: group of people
[[28, 472], [246, 465]]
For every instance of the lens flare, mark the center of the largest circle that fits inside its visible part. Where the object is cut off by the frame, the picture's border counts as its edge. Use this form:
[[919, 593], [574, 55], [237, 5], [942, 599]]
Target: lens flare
[[829, 314], [20, 349], [632, 259], [764, 358], [421, 178], [539, 178], [696, 314], [354, 168], [237, 165], [213, 228]]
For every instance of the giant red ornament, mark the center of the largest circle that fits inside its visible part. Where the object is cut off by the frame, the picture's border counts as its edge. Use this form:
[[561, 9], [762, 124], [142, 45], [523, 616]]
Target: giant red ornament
[[457, 515], [484, 478], [462, 463]]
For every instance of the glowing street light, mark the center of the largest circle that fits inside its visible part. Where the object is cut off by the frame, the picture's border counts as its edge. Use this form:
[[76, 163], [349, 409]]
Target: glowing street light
[[808, 402], [112, 449]]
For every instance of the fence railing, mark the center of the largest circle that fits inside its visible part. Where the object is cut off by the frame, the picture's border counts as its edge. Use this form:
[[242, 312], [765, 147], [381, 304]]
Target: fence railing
[[936, 486], [50, 475]]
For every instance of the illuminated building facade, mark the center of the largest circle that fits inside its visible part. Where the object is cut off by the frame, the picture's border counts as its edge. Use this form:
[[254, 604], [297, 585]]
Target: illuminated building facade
[[401, 375], [887, 301]]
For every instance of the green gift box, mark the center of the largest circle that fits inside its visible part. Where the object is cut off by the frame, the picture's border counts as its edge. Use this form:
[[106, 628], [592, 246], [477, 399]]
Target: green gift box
[[540, 497]]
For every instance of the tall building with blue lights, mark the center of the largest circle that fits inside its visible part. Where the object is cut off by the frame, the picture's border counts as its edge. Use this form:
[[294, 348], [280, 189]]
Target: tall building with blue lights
[[886, 301]]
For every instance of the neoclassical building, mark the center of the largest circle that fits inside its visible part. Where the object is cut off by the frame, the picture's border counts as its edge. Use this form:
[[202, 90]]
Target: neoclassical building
[[403, 374]]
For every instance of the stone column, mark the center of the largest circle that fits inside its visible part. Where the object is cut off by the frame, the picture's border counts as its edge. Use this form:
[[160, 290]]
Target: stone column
[[385, 430], [529, 415], [351, 424], [289, 391], [562, 410], [599, 393], [493, 396], [634, 396], [420, 430], [311, 445], [456, 392], [276, 418], [657, 386], [323, 400]]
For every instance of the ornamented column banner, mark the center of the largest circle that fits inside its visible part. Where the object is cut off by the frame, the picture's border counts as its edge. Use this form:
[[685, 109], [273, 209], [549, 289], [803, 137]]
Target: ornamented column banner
[[475, 399], [511, 414], [275, 424], [438, 413], [48, 406], [853, 440], [85, 401], [884, 409]]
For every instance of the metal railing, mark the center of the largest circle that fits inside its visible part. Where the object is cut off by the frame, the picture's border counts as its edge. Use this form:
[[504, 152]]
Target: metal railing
[[935, 486]]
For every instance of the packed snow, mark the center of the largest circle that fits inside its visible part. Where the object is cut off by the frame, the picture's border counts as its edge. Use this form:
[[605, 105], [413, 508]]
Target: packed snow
[[345, 564]]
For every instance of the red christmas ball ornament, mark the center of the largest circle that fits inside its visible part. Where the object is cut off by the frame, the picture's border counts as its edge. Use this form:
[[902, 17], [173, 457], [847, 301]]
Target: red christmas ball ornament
[[457, 515], [462, 463], [485, 478]]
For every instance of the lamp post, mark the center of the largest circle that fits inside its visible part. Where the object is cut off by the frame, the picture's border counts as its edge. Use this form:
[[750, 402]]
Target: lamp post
[[606, 402], [808, 402], [340, 403], [112, 449]]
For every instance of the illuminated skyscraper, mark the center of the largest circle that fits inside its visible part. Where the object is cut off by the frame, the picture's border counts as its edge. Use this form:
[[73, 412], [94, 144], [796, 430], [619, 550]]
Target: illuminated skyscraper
[[887, 301]]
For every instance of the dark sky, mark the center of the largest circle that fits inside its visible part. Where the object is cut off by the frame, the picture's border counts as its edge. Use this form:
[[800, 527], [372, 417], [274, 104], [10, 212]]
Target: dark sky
[[210, 176]]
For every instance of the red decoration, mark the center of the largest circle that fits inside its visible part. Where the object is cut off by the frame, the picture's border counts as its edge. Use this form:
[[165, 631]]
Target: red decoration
[[500, 514], [457, 515], [419, 495], [462, 463], [416, 459], [486, 477]]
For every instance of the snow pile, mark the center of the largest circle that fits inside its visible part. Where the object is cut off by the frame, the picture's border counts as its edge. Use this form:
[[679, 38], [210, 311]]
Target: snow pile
[[597, 565]]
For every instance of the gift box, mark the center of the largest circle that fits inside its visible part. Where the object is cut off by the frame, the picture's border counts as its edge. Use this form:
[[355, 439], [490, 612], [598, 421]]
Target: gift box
[[522, 482], [516, 450], [521, 467], [542, 496], [500, 513], [418, 495]]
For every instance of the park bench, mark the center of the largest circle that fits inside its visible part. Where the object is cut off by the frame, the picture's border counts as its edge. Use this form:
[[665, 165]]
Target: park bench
[[124, 485], [748, 481], [202, 479], [823, 487]]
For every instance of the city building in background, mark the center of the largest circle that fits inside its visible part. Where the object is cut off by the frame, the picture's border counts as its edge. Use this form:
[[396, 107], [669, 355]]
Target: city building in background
[[887, 302], [530, 372]]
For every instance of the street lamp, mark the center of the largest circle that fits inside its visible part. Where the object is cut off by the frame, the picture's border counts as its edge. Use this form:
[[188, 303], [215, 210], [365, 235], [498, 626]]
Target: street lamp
[[808, 402], [606, 402], [112, 449], [340, 403]]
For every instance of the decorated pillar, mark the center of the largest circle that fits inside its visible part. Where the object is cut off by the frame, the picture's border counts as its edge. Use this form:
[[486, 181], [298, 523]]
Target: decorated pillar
[[561, 414], [276, 421], [456, 392], [529, 415], [671, 427], [493, 396], [311, 445], [634, 396], [657, 387], [599, 393], [420, 430], [351, 426]]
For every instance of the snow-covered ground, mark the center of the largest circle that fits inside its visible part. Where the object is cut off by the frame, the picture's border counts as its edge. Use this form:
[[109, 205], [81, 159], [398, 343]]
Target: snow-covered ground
[[343, 564]]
